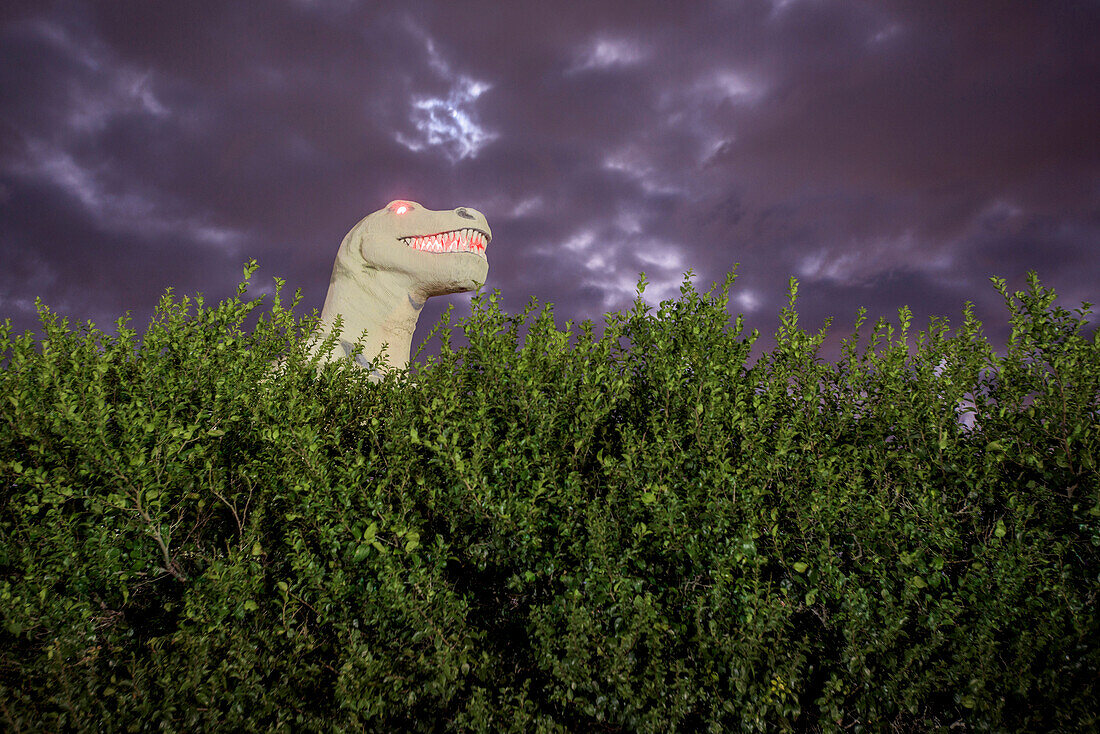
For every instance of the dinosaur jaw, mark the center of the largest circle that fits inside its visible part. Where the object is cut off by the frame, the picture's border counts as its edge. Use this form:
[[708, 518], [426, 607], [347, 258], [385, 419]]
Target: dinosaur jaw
[[467, 239]]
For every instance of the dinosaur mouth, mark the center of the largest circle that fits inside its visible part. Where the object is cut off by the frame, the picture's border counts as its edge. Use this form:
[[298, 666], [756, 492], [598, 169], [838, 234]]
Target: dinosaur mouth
[[457, 240]]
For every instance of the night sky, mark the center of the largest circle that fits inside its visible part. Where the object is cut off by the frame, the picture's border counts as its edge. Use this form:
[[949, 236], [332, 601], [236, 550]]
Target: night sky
[[885, 153]]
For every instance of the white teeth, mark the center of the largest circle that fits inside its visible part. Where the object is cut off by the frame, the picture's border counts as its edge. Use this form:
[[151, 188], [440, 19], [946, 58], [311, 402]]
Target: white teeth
[[459, 240]]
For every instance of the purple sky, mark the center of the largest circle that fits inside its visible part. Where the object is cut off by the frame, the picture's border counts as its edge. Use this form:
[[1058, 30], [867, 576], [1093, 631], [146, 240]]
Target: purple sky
[[885, 153]]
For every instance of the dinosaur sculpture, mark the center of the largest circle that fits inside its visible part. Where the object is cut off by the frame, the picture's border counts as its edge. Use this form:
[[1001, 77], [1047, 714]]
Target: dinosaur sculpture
[[388, 265]]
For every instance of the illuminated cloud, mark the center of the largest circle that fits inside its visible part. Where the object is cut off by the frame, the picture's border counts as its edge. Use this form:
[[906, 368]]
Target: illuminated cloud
[[728, 84], [606, 53], [661, 255], [447, 123], [747, 300], [108, 88], [529, 205], [112, 204], [860, 262], [580, 242], [637, 165], [780, 7], [885, 34], [610, 260]]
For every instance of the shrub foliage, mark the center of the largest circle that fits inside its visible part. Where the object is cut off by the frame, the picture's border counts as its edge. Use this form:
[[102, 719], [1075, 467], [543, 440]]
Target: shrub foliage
[[550, 530]]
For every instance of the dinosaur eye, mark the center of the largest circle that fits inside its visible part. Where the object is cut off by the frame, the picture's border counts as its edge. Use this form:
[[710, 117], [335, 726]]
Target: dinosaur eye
[[400, 207]]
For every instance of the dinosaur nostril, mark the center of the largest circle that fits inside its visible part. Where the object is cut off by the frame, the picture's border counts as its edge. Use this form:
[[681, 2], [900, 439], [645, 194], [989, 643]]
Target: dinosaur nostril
[[464, 214]]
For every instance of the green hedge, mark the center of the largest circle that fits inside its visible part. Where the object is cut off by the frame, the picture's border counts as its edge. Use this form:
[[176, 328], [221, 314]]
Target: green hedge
[[547, 530]]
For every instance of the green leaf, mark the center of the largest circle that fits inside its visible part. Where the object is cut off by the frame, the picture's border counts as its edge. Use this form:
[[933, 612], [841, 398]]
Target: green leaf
[[800, 567], [257, 549], [361, 552], [1000, 531], [649, 498], [919, 582], [250, 606]]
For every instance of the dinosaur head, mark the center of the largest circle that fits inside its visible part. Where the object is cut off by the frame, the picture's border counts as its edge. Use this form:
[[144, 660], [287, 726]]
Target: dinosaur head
[[390, 263], [439, 252]]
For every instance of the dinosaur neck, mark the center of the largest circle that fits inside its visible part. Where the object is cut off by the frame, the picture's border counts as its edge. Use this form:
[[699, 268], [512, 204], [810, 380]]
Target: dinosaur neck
[[383, 305]]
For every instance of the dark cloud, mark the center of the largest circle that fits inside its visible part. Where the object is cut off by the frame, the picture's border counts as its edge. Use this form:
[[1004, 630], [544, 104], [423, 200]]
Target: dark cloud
[[884, 153]]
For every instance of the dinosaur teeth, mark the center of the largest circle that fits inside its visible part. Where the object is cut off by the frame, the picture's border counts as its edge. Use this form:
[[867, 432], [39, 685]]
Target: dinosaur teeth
[[458, 240]]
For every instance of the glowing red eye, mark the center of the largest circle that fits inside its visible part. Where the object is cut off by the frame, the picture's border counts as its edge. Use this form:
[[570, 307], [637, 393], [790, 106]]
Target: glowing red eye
[[400, 207]]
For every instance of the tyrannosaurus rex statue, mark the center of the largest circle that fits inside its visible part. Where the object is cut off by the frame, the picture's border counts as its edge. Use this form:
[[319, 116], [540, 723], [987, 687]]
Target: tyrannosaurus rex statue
[[388, 265]]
